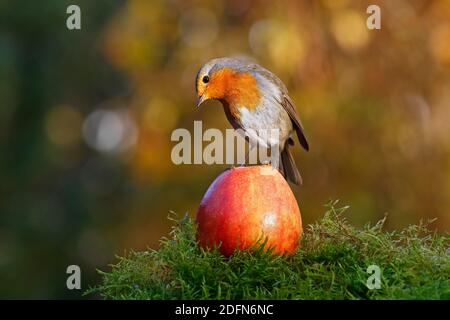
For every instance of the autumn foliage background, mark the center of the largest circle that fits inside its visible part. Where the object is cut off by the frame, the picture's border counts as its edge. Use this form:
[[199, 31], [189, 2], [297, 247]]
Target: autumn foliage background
[[86, 118]]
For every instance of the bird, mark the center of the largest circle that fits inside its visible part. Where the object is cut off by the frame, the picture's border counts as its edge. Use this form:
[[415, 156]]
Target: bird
[[254, 99]]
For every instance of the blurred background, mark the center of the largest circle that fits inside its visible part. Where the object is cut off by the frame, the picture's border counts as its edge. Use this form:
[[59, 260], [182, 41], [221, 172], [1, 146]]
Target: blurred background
[[86, 118]]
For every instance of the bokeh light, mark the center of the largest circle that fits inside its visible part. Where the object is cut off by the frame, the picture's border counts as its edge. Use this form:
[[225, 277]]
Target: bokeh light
[[440, 44], [350, 30], [272, 40], [109, 131]]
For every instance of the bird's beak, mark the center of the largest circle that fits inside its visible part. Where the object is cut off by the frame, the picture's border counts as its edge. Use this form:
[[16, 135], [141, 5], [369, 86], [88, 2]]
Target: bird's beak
[[201, 99]]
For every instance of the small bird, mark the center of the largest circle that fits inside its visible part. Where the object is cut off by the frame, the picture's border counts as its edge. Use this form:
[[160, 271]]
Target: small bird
[[254, 99]]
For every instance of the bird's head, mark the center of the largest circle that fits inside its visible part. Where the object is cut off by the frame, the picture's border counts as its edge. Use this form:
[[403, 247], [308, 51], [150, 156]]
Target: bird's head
[[228, 80]]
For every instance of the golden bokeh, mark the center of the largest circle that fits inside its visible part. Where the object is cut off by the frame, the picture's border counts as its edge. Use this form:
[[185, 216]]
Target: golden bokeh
[[440, 44], [350, 30]]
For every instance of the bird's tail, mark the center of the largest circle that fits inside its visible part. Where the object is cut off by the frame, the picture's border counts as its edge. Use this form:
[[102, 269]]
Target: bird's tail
[[288, 167]]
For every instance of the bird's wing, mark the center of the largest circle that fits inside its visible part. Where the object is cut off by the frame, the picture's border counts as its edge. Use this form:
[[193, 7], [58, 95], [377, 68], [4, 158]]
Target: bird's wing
[[289, 106], [285, 101]]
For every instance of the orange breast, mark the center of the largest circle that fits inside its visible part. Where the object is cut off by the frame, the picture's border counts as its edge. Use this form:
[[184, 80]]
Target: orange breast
[[237, 89]]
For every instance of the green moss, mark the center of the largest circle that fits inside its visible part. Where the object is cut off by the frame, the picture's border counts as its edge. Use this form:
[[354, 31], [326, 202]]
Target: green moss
[[331, 263]]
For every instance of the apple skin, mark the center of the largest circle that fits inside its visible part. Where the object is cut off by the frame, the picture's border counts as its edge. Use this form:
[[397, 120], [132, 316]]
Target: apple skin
[[244, 204]]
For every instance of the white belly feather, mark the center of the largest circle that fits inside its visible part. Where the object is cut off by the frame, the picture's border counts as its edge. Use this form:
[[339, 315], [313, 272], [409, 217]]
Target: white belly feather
[[259, 123]]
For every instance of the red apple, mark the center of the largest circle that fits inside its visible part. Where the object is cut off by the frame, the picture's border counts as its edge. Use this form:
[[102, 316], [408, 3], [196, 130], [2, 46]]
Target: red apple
[[246, 204]]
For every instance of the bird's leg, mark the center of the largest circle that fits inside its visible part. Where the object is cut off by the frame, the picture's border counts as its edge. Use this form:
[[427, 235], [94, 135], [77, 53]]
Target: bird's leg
[[274, 158], [266, 161], [247, 156]]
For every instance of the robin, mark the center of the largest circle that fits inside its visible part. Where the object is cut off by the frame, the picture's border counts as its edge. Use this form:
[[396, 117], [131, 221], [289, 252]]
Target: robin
[[254, 99]]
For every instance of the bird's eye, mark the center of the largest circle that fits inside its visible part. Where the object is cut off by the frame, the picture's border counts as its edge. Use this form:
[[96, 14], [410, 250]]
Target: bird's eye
[[205, 79]]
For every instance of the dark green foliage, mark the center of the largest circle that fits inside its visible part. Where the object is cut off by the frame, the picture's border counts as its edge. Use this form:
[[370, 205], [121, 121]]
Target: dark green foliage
[[331, 263]]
